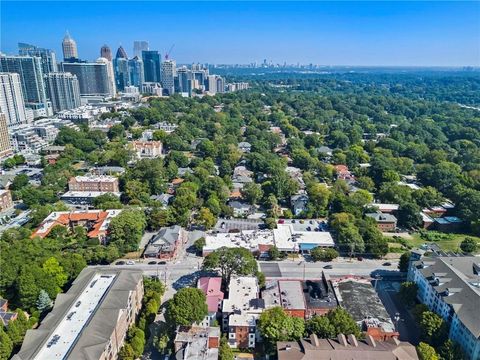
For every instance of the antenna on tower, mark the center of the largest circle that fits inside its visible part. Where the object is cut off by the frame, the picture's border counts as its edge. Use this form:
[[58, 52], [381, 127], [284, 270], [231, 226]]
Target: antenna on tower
[[167, 54]]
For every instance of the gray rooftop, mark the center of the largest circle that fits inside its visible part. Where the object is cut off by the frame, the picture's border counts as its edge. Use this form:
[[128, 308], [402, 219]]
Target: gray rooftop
[[236, 225], [461, 274], [382, 218], [89, 340]]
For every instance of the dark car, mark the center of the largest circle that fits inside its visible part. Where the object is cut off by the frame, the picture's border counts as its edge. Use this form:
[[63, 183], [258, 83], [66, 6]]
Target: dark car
[[152, 263], [162, 263], [328, 267], [387, 264], [360, 258], [120, 263]]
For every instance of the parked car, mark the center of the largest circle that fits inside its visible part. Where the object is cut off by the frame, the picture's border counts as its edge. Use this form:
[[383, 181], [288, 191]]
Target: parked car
[[152, 263], [120, 263], [162, 263], [387, 264], [360, 258], [130, 262]]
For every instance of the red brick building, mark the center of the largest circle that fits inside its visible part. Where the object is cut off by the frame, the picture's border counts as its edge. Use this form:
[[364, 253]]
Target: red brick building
[[94, 183]]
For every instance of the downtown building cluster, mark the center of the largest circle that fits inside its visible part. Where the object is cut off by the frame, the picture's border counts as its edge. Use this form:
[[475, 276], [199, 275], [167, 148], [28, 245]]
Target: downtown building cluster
[[33, 84]]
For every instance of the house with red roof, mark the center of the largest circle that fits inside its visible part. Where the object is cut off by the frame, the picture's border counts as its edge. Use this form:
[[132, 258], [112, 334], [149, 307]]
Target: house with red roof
[[211, 287]]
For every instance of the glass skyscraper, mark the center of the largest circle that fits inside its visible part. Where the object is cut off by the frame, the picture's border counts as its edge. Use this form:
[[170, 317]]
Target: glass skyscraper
[[151, 65], [49, 61]]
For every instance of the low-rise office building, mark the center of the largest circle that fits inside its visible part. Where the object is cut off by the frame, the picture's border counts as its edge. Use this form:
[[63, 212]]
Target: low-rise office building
[[91, 320], [450, 287]]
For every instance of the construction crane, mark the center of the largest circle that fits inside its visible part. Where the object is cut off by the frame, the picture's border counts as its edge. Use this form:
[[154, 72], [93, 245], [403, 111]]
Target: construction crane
[[167, 54]]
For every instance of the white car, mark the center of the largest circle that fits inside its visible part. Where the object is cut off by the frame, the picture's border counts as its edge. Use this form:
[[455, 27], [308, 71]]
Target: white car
[[130, 262]]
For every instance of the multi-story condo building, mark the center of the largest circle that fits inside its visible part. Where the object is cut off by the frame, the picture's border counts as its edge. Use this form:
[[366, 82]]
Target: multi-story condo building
[[5, 144], [450, 287], [5, 200], [91, 320], [168, 76], [139, 46], [49, 60], [12, 104], [94, 183], [151, 66], [96, 222], [31, 77], [69, 47], [111, 75], [63, 90], [92, 77], [147, 149], [215, 84], [241, 311]]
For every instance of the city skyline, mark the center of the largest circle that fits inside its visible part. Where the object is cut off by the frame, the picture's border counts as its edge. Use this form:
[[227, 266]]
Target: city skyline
[[361, 34]]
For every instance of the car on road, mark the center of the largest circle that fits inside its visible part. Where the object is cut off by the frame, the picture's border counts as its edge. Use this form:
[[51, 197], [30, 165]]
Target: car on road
[[328, 267], [162, 263], [130, 262], [120, 263], [360, 258], [152, 263], [387, 264]]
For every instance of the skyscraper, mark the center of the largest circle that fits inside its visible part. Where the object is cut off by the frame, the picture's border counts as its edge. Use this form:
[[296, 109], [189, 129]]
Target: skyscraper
[[151, 65], [168, 76], [31, 76], [92, 78], [69, 47], [111, 74], [63, 90], [11, 99], [5, 145], [135, 71], [121, 53], [105, 52], [184, 75], [139, 46], [49, 60]]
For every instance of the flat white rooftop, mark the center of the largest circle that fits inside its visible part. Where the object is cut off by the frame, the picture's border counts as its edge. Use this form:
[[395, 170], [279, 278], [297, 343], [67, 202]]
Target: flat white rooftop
[[64, 336], [248, 239]]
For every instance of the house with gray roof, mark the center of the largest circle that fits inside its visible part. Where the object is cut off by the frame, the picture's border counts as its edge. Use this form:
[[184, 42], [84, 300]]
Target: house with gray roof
[[450, 287], [89, 321], [165, 244]]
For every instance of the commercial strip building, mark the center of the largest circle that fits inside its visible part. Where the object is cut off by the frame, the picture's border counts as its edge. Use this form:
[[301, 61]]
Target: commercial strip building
[[450, 287], [289, 236], [301, 299], [359, 298], [241, 311], [96, 222], [91, 320], [345, 348]]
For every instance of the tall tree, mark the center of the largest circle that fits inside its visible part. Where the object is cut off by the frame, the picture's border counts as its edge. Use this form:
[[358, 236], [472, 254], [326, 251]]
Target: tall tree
[[231, 262], [187, 306]]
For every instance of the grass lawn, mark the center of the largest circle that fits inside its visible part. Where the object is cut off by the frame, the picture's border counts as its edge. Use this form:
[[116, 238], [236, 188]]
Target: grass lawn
[[447, 242]]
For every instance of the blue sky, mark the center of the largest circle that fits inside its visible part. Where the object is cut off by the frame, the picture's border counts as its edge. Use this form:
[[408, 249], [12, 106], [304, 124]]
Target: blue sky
[[328, 33]]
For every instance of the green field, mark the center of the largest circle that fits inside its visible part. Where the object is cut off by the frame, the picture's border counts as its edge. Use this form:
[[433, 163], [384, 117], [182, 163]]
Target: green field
[[447, 242]]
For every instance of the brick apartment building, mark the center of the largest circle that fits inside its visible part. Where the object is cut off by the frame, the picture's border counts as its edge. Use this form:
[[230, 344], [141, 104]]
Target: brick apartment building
[[94, 183], [5, 200]]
